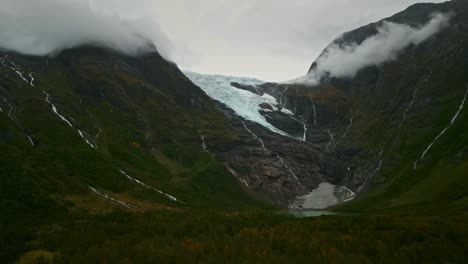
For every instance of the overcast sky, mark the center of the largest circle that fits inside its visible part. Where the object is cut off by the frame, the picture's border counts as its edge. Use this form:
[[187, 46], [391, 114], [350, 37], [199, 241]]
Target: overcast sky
[[274, 40]]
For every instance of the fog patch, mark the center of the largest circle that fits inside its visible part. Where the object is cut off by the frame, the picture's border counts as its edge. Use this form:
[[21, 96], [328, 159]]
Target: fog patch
[[345, 61], [48, 26]]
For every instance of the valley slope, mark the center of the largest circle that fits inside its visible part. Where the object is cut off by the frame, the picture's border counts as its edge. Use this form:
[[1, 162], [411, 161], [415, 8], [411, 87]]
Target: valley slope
[[396, 133]]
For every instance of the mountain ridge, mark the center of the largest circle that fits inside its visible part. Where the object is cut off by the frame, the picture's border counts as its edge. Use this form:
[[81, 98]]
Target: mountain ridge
[[371, 110]]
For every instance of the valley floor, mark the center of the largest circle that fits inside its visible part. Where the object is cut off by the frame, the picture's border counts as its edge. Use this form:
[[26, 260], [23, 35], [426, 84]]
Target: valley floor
[[237, 237]]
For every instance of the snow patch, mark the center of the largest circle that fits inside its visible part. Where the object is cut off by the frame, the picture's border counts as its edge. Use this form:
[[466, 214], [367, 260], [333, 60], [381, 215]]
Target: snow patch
[[324, 196]]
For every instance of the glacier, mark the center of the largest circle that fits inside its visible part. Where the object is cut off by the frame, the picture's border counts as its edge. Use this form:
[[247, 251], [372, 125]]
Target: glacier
[[246, 104]]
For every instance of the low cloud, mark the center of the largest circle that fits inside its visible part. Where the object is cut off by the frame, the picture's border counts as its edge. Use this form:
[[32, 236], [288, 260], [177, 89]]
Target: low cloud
[[48, 26], [345, 61]]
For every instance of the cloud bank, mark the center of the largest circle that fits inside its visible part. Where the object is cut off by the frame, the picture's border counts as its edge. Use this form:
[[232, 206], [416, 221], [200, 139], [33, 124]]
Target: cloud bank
[[48, 26], [345, 61]]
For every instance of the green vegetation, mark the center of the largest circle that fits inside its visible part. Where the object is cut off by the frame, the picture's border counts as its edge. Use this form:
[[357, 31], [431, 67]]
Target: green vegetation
[[193, 236]]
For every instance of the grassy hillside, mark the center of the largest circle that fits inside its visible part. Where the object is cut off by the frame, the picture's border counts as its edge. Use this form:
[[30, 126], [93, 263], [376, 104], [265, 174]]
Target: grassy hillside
[[414, 100], [128, 123], [400, 127], [193, 236]]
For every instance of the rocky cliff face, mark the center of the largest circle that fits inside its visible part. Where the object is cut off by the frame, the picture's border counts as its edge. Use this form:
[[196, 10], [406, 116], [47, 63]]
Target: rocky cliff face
[[392, 128]]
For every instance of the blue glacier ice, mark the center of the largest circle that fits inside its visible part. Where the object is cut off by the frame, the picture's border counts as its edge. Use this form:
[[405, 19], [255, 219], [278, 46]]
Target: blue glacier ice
[[244, 103]]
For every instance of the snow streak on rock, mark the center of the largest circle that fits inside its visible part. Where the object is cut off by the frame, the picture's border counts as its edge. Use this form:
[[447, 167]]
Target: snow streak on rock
[[351, 119], [104, 195], [315, 110], [87, 141], [380, 163], [54, 109], [14, 65], [283, 97], [332, 139], [348, 128], [277, 155], [288, 168], [20, 74], [304, 137], [16, 69], [30, 140], [403, 121], [149, 187], [11, 111], [32, 80], [376, 170], [202, 137], [95, 123], [12, 116], [452, 122], [348, 195], [233, 172], [413, 99], [254, 136]]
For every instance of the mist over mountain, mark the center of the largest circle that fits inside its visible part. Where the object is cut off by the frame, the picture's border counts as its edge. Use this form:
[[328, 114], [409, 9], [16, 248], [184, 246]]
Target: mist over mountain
[[344, 60], [49, 26]]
